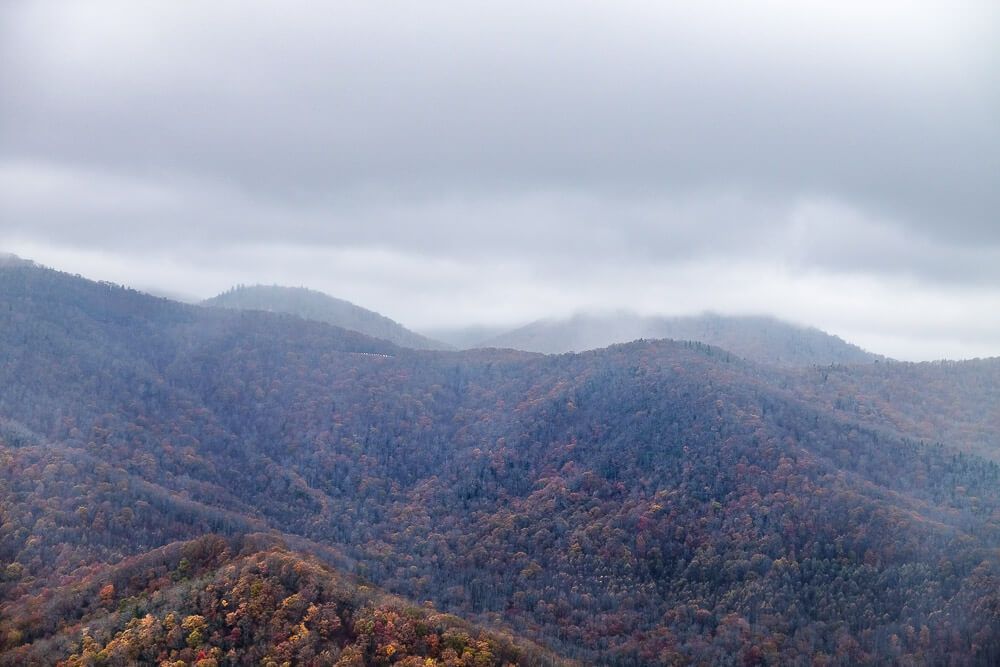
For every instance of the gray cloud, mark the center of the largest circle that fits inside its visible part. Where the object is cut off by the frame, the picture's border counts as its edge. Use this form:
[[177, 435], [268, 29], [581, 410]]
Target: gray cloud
[[502, 155]]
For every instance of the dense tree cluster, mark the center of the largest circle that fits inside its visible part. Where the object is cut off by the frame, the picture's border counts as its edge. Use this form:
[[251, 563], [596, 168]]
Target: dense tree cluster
[[650, 503], [212, 601]]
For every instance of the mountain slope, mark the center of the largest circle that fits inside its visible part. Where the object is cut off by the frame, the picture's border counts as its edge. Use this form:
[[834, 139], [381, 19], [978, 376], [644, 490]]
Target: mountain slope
[[649, 503], [940, 401], [245, 601], [312, 305], [761, 339]]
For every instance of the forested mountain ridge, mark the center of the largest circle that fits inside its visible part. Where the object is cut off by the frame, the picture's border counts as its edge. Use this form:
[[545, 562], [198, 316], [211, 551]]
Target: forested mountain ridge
[[762, 339], [649, 503], [312, 305]]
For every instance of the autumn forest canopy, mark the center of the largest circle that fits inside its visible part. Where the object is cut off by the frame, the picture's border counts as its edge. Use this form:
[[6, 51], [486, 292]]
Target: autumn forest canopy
[[196, 484]]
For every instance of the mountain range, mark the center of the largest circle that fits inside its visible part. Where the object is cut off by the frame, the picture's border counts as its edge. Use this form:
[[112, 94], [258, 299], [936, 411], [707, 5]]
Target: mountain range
[[759, 338], [206, 484]]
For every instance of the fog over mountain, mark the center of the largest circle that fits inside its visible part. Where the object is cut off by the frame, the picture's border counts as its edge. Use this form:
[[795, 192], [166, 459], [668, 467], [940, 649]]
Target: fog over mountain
[[762, 339], [459, 164]]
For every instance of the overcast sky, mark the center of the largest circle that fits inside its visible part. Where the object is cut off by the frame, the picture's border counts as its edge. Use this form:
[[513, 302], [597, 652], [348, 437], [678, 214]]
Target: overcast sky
[[832, 163]]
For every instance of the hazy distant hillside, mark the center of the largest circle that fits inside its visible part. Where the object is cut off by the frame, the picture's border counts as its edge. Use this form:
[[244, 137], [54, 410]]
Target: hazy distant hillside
[[468, 337], [762, 339], [312, 305]]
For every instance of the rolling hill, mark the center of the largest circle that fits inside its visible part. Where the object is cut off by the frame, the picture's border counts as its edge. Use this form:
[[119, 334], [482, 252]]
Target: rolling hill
[[762, 339], [656, 502], [312, 305], [246, 600]]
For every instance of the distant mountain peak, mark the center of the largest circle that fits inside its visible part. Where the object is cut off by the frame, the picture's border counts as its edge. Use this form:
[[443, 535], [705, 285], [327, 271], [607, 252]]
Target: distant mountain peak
[[312, 304]]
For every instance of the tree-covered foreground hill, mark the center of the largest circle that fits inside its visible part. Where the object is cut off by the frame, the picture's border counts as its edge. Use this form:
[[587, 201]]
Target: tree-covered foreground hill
[[250, 600], [650, 503]]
